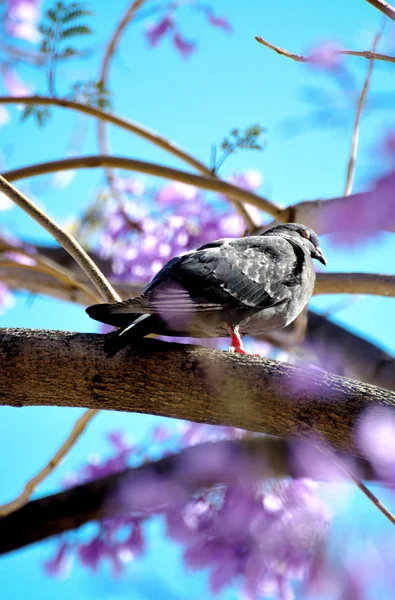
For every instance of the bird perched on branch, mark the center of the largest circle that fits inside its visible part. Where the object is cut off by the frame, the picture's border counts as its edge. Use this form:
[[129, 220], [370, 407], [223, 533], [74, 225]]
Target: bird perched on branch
[[229, 287]]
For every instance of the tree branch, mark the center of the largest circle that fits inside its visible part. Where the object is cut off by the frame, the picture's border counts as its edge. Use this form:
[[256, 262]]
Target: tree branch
[[384, 7], [184, 382], [136, 128], [305, 59], [63, 238], [207, 183], [358, 115], [265, 457]]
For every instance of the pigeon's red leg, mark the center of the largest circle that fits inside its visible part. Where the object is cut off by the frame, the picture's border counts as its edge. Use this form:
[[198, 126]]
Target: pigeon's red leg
[[237, 344]]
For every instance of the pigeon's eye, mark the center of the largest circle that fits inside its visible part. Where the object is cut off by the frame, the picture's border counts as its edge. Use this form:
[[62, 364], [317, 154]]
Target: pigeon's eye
[[306, 234]]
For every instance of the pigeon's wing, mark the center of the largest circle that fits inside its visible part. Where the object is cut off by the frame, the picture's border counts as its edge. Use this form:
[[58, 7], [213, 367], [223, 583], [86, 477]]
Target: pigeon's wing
[[258, 272]]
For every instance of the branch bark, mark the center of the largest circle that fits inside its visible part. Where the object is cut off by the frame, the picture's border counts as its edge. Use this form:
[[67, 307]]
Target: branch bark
[[384, 7], [368, 54], [184, 382], [89, 162]]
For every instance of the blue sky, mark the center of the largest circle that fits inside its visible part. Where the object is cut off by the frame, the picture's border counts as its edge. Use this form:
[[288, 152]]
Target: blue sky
[[231, 82]]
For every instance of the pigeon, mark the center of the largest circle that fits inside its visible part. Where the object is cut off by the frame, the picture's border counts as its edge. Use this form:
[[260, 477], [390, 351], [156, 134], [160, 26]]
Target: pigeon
[[228, 287]]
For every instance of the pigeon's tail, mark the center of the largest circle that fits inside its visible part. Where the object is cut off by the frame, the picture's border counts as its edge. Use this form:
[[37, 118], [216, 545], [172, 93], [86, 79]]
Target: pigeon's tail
[[119, 314], [142, 326]]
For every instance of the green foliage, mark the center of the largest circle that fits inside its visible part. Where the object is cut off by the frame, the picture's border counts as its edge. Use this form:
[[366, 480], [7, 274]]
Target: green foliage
[[41, 114], [63, 22], [249, 139], [92, 93]]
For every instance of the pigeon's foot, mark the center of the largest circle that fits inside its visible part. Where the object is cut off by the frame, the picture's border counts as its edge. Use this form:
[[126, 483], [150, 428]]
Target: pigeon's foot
[[237, 344]]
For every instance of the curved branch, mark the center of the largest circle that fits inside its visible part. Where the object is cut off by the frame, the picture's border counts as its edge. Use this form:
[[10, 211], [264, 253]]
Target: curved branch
[[207, 183], [127, 125], [95, 500], [368, 54], [358, 115], [66, 240], [371, 284], [133, 127], [184, 382]]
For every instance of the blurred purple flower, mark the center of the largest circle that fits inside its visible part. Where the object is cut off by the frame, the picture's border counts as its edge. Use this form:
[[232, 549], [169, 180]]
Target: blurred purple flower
[[156, 32], [376, 435], [185, 47], [21, 19], [250, 180], [220, 22], [325, 56], [60, 565], [187, 220], [13, 84]]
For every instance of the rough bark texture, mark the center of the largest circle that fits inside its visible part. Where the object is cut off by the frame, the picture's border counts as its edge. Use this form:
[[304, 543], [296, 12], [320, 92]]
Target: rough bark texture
[[39, 519], [185, 382]]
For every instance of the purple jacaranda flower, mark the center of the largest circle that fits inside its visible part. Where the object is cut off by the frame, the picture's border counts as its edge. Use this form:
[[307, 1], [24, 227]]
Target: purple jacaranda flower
[[376, 434], [135, 542], [92, 552], [325, 55], [13, 84], [21, 19], [185, 47], [155, 33], [131, 185], [221, 22], [60, 565], [250, 180]]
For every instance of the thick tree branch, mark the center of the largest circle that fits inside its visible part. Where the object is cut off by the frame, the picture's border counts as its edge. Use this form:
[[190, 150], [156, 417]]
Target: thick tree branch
[[185, 382], [265, 457], [207, 183], [368, 54]]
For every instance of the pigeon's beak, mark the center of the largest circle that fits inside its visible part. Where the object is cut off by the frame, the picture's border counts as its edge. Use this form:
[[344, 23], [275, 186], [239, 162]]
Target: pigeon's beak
[[318, 254]]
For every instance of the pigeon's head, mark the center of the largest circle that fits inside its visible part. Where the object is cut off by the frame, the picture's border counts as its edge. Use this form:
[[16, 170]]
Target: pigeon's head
[[302, 234]]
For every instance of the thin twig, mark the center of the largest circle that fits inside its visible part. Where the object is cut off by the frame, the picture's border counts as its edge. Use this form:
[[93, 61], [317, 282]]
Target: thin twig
[[95, 275], [103, 145], [207, 183], [101, 129], [63, 238], [358, 115], [136, 128], [45, 270], [360, 485], [368, 54], [78, 429], [384, 7]]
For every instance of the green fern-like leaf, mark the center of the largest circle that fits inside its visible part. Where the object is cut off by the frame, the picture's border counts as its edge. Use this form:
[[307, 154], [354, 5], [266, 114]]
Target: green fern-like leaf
[[75, 14], [75, 32]]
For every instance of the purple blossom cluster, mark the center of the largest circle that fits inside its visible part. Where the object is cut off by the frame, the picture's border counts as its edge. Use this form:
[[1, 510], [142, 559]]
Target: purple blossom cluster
[[168, 27], [171, 220], [21, 19], [259, 535]]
